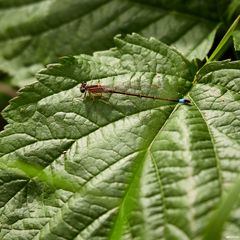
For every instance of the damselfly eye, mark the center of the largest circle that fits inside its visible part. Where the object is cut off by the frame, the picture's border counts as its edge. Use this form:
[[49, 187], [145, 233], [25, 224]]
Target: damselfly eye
[[82, 90], [83, 87]]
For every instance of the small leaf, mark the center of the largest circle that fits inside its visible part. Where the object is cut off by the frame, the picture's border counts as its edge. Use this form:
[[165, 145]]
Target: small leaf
[[236, 40]]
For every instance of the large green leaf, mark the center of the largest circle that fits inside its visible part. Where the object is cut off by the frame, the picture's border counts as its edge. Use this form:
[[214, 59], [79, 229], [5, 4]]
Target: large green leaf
[[34, 33], [145, 169]]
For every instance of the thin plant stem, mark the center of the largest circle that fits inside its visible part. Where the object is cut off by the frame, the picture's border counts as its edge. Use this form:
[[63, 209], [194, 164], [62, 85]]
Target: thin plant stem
[[222, 46]]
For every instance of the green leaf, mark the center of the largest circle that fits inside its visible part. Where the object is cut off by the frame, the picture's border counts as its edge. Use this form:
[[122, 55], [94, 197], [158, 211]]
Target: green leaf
[[236, 40], [234, 7], [215, 228], [146, 169], [35, 33]]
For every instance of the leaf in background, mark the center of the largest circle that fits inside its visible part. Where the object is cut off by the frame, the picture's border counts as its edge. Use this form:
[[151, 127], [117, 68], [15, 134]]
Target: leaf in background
[[233, 7], [225, 42], [236, 40], [34, 33], [146, 169]]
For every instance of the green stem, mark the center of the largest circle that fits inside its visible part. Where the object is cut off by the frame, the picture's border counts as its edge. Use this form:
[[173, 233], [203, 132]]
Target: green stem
[[222, 46]]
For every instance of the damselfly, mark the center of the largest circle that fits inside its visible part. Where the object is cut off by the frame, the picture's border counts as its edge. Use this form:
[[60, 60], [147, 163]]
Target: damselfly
[[99, 89]]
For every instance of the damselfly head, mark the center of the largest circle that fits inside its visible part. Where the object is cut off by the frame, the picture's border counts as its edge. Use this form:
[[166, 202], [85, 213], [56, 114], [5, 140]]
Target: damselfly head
[[83, 87]]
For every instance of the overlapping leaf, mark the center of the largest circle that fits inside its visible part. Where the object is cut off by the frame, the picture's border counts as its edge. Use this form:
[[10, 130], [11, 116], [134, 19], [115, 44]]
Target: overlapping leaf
[[236, 38]]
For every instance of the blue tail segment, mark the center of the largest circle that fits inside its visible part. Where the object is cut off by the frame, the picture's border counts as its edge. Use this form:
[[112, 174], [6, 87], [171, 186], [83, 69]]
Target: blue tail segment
[[184, 101]]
